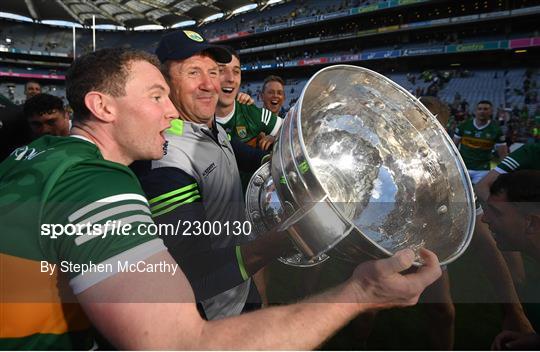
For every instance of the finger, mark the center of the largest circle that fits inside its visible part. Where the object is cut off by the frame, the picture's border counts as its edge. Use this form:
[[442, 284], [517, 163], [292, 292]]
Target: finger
[[499, 342], [400, 261], [524, 342], [502, 339], [430, 271]]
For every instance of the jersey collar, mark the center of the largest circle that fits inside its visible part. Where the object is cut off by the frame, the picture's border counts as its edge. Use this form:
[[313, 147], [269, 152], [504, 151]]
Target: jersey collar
[[81, 137], [481, 128], [225, 119]]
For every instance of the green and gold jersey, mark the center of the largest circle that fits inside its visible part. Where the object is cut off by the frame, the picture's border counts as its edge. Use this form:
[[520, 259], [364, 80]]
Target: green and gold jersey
[[477, 143], [526, 157], [247, 121], [44, 186]]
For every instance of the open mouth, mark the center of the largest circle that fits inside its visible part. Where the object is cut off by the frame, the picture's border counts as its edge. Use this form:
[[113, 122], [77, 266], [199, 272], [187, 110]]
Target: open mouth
[[227, 90]]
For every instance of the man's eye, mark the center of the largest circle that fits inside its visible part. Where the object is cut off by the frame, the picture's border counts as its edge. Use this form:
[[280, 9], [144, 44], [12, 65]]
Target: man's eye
[[157, 97]]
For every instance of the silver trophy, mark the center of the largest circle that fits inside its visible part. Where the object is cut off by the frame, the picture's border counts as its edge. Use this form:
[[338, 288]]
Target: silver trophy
[[360, 168]]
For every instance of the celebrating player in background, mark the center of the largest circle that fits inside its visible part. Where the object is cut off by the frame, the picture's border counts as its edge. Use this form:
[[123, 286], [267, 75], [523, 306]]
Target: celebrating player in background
[[273, 94], [246, 122]]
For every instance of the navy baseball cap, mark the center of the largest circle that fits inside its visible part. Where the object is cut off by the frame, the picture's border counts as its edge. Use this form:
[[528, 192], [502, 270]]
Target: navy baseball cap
[[181, 45]]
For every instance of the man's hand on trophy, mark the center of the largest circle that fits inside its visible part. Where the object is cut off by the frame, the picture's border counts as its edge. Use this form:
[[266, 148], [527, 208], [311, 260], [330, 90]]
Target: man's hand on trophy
[[382, 283]]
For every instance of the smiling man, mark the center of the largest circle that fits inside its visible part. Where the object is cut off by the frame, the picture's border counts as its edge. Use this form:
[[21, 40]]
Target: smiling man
[[247, 122], [198, 181], [273, 93]]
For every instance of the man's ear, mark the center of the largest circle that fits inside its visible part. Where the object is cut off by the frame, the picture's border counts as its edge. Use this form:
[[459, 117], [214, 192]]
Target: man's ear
[[533, 226], [101, 106]]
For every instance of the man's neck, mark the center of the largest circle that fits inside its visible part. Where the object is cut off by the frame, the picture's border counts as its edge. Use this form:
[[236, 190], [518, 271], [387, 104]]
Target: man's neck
[[105, 143], [480, 123], [222, 111]]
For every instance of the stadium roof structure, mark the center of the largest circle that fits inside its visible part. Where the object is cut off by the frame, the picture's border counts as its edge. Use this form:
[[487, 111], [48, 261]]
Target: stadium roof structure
[[126, 13]]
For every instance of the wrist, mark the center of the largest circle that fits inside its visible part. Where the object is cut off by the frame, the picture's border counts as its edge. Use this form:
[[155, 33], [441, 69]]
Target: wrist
[[352, 292]]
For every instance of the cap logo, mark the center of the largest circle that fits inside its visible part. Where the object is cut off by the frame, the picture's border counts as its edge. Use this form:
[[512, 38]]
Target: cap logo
[[194, 36]]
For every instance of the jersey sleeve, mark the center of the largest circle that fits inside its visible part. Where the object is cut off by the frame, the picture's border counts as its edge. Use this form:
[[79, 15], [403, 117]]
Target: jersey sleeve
[[274, 122], [521, 158], [268, 122], [102, 211]]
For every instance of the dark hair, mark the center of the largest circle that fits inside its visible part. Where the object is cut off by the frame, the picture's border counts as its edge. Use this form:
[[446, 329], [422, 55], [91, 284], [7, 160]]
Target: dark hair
[[522, 186], [105, 71], [272, 78], [41, 104], [231, 51], [31, 81], [485, 102]]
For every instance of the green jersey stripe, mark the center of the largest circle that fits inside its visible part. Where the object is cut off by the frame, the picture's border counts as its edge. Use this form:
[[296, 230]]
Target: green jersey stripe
[[173, 200], [241, 264], [121, 222], [187, 201], [173, 193], [112, 199], [115, 211]]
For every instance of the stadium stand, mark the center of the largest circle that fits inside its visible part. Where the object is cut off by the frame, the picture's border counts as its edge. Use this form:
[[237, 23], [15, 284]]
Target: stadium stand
[[462, 51]]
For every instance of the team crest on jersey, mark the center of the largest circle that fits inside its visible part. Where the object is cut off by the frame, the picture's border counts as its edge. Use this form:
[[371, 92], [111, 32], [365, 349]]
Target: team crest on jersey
[[241, 131], [194, 36]]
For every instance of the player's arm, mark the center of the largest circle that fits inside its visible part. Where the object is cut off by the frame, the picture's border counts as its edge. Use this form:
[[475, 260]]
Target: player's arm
[[502, 150], [171, 321], [482, 187], [273, 123], [501, 147], [518, 159]]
